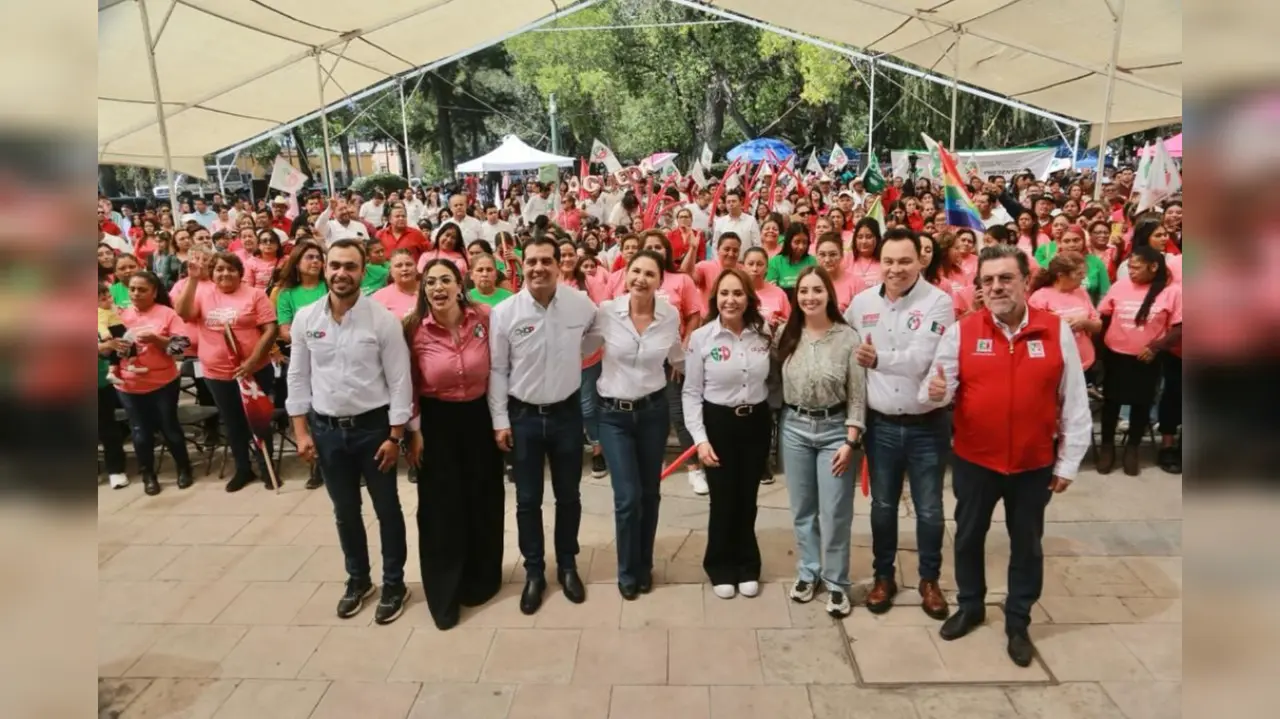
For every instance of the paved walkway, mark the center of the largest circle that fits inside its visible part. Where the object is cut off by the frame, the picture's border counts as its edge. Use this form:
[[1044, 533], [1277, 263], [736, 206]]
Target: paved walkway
[[221, 605]]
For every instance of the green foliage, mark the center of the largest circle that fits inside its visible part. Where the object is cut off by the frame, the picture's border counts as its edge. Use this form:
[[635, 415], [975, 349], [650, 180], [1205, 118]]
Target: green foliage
[[384, 181]]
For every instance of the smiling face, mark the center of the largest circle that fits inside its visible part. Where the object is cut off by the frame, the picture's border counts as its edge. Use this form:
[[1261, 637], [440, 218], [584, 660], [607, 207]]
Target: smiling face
[[447, 240], [769, 232], [812, 296], [643, 277], [311, 263], [540, 267], [1004, 289], [731, 298], [441, 288], [728, 251], [926, 251], [829, 254], [899, 265], [568, 258], [864, 240], [226, 276], [344, 269], [106, 258]]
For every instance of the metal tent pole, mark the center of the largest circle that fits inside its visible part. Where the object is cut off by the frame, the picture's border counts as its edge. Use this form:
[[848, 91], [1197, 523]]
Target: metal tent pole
[[404, 129], [871, 112], [1111, 88], [955, 92], [1075, 149], [324, 124], [155, 91]]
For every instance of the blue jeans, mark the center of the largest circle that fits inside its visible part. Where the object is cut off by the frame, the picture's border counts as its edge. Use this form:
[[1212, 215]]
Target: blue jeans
[[226, 395], [346, 455], [920, 451], [589, 396], [152, 412], [555, 437], [634, 444], [821, 502]]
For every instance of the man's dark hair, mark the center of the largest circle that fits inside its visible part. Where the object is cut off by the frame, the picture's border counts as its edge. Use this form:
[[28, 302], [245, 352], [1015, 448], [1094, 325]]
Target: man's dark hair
[[1000, 252], [544, 240], [348, 243], [899, 234]]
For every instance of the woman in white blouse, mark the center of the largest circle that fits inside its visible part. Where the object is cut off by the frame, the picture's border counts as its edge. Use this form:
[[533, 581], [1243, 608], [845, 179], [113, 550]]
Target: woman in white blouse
[[639, 331], [824, 407], [725, 410]]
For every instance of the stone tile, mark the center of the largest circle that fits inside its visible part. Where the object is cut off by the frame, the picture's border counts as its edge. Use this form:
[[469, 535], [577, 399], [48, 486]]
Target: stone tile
[[197, 602], [355, 699], [1086, 610], [204, 563], [1065, 701], [1157, 646], [130, 602], [328, 565], [117, 529], [463, 700], [908, 615], [898, 655], [1164, 611], [765, 611], [138, 562], [834, 701], [181, 699], [951, 702], [1146, 700], [216, 529], [660, 703], [324, 533], [809, 615], [270, 564], [501, 611], [275, 698], [713, 656], [156, 528], [1162, 575], [603, 609], [549, 701], [621, 656], [271, 530], [433, 656], [1096, 577], [120, 645], [804, 656], [983, 657], [190, 650], [357, 653], [760, 703], [116, 694], [272, 652], [667, 606], [1086, 652], [531, 656], [267, 603], [322, 608], [107, 551]]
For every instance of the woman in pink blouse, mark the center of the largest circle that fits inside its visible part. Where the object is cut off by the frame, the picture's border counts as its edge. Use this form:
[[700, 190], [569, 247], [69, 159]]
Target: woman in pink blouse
[[830, 254], [448, 245], [1060, 290], [401, 296], [460, 493], [863, 261], [705, 273]]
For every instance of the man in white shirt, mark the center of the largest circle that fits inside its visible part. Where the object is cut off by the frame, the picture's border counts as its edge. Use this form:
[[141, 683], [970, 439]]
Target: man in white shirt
[[413, 208], [492, 225], [349, 414], [990, 211], [700, 208], [336, 223], [737, 222], [901, 322], [781, 204], [536, 346], [372, 210], [596, 206], [472, 229], [1022, 427], [539, 204]]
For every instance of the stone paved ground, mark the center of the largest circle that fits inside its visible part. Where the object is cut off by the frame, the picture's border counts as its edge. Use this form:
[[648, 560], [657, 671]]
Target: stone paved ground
[[221, 605]]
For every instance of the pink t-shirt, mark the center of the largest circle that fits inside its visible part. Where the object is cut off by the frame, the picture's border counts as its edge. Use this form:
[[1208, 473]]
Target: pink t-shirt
[[847, 285], [773, 303], [1065, 305], [449, 370], [161, 369], [1122, 303], [1024, 243], [244, 310], [257, 271], [866, 268], [598, 287], [400, 303], [969, 266], [960, 292], [189, 330]]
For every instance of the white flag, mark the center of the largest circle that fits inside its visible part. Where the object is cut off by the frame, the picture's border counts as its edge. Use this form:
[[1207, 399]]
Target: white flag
[[813, 167], [602, 154], [707, 158], [286, 177], [1142, 178], [696, 174], [838, 158], [1164, 179], [731, 182], [669, 168]]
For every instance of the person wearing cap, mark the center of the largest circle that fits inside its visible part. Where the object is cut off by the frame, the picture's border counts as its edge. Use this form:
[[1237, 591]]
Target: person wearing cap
[[857, 195], [279, 208], [1020, 447]]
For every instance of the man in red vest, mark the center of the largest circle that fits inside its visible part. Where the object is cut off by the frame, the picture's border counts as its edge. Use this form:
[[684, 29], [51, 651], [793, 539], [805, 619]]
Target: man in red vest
[[1022, 425]]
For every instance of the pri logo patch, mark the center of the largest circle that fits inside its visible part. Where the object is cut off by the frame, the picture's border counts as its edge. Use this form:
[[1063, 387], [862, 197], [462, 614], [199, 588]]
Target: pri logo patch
[[524, 331], [984, 347], [914, 320], [315, 334], [478, 332], [1035, 348], [720, 354]]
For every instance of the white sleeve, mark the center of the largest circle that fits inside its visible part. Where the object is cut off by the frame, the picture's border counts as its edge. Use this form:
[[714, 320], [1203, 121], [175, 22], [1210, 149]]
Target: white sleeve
[[298, 380], [322, 225], [947, 356], [691, 396], [1075, 422], [499, 368], [915, 359], [395, 365]]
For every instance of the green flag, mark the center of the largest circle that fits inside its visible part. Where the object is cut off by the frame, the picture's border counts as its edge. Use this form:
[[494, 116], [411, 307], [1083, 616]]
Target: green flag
[[872, 180]]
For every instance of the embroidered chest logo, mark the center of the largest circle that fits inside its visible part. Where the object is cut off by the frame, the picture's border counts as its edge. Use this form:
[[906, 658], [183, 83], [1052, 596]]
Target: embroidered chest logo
[[315, 334], [1035, 348], [914, 320], [984, 347], [524, 331], [478, 332], [720, 354], [870, 319]]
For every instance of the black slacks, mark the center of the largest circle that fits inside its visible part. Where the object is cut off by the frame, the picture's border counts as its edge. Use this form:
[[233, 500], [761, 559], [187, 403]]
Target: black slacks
[[740, 439]]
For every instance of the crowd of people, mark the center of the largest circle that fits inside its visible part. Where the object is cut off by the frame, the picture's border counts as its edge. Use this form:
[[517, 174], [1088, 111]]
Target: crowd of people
[[779, 328]]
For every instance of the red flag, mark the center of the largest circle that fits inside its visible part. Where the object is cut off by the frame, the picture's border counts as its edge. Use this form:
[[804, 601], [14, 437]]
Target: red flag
[[258, 406], [864, 477]]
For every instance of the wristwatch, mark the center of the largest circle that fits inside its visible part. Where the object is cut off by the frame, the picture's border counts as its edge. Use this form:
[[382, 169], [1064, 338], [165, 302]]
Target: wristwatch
[[854, 443]]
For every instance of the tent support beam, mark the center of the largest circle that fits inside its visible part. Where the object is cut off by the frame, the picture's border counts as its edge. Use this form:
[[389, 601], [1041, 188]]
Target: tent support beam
[[404, 130], [324, 124], [955, 86], [222, 176], [871, 110], [1075, 150], [155, 91], [1111, 88]]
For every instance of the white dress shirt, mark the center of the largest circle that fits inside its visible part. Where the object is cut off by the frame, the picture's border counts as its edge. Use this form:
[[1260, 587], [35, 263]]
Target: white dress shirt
[[1075, 422], [489, 231], [905, 334], [471, 231], [701, 218], [413, 211], [372, 213], [597, 208], [725, 369], [745, 227], [537, 351], [331, 230], [342, 369], [633, 360], [536, 205]]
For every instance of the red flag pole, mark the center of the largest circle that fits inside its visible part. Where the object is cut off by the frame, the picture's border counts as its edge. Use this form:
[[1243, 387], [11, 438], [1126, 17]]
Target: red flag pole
[[251, 392], [666, 471]]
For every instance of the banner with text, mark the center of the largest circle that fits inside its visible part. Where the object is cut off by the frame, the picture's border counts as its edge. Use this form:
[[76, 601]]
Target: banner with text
[[986, 162]]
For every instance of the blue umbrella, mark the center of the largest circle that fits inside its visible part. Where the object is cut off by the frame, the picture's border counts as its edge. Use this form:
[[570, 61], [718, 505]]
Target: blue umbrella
[[758, 149]]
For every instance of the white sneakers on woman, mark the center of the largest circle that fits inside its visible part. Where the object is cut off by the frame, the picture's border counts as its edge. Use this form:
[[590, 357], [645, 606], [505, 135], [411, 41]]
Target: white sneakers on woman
[[118, 481], [724, 591], [728, 591], [749, 589], [698, 480]]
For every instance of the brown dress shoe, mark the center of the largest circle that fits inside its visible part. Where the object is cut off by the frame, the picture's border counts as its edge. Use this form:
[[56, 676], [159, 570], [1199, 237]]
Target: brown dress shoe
[[880, 599], [1106, 458], [931, 599], [1130, 460]]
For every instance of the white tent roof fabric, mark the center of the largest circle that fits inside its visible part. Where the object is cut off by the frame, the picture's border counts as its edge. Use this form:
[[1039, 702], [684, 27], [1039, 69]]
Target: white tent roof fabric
[[513, 155]]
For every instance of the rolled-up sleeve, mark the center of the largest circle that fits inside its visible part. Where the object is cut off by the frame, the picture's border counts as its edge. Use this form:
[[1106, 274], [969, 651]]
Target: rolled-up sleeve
[[856, 389], [299, 378], [691, 395], [1075, 422], [395, 365]]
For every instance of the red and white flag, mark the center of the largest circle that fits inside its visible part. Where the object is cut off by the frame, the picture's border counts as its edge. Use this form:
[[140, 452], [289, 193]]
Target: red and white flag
[[838, 158], [601, 153]]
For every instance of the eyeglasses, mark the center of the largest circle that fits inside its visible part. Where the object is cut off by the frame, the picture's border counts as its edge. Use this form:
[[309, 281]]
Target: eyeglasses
[[443, 281]]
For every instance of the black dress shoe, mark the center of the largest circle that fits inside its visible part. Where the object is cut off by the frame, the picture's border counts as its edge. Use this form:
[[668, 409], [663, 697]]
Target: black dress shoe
[[531, 597], [960, 624], [184, 477], [1020, 648], [574, 589], [239, 482], [1106, 458], [646, 583], [150, 484], [629, 592], [1170, 459]]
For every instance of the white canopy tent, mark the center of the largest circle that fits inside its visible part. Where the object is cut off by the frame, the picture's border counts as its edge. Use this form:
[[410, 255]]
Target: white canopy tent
[[513, 155]]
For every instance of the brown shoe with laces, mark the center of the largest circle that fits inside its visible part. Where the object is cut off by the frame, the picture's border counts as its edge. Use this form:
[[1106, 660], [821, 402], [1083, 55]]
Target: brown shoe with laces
[[931, 599], [880, 600]]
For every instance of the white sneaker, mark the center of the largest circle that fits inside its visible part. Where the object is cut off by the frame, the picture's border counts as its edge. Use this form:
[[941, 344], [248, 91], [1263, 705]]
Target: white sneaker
[[698, 480], [1122, 425], [724, 591], [749, 589], [838, 603], [118, 480], [802, 591]]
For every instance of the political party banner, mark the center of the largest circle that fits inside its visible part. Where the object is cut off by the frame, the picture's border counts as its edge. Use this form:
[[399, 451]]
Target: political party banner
[[601, 153], [286, 177], [986, 162]]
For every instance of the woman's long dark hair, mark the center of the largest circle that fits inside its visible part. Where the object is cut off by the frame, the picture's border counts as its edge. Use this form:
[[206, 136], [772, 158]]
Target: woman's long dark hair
[[289, 275], [793, 230], [1151, 256], [751, 317], [422, 307], [162, 294], [106, 274], [789, 340], [874, 227], [578, 275], [1035, 228], [1143, 231], [669, 263], [933, 272]]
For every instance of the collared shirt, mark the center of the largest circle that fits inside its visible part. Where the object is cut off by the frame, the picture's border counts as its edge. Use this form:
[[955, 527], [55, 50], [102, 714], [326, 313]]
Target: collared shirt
[[470, 227], [536, 205], [725, 369], [701, 218], [745, 227], [411, 239], [822, 373], [449, 369], [205, 218], [341, 369], [905, 334], [331, 230], [1075, 423], [536, 352], [489, 231], [371, 212], [633, 360]]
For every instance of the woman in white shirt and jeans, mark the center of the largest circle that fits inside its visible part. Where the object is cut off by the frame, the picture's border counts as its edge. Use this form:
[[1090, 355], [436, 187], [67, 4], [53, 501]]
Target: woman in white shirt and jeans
[[727, 369]]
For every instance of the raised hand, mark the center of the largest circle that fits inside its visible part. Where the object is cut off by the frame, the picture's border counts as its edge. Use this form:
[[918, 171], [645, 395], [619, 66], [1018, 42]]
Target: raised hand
[[866, 353], [938, 386]]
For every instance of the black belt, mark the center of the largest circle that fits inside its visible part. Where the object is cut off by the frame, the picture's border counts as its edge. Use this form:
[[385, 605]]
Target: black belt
[[518, 403], [742, 410], [822, 413], [633, 405], [372, 419], [906, 420]]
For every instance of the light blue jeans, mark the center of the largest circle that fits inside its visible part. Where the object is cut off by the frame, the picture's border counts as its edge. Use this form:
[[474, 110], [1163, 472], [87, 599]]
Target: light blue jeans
[[821, 502]]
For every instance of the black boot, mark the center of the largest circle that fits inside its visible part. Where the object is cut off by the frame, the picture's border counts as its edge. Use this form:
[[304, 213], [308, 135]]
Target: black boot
[[316, 480], [150, 484], [239, 481], [1170, 459], [184, 476]]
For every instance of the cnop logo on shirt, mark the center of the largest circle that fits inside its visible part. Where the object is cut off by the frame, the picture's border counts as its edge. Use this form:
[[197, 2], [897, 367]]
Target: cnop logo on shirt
[[720, 354], [315, 334], [219, 317], [524, 331]]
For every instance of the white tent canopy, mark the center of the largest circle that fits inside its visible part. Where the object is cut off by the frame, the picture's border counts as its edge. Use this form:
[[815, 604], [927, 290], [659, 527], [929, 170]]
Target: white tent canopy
[[513, 155]]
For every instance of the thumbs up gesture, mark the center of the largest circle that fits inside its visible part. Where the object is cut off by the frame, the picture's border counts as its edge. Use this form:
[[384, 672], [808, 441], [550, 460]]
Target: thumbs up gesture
[[866, 354], [938, 386]]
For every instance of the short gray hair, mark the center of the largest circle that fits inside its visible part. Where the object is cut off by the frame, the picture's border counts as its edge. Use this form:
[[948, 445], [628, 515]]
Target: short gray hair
[[1002, 251]]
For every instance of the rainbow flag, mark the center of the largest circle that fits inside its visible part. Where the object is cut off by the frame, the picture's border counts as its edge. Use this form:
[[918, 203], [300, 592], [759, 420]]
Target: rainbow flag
[[960, 209]]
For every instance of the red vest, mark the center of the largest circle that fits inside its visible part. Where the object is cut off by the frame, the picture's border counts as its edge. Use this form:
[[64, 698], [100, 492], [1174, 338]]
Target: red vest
[[1006, 413]]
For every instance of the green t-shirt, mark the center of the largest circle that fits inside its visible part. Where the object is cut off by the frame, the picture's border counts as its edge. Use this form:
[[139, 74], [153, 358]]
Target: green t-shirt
[[295, 298], [499, 294], [375, 278], [783, 273], [120, 295], [1096, 281]]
